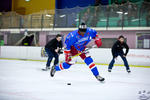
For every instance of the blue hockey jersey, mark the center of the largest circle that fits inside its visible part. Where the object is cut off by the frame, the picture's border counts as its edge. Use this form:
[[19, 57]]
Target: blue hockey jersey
[[79, 41]]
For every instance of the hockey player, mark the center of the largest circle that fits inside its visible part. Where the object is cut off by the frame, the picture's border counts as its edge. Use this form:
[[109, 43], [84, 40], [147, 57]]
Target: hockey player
[[76, 42], [117, 50], [53, 48]]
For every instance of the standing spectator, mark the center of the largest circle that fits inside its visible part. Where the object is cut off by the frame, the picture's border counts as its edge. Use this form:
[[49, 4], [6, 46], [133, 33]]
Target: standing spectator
[[53, 48], [117, 50]]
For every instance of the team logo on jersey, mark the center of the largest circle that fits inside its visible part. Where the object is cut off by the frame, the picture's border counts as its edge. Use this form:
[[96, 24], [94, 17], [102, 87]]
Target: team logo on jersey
[[83, 39]]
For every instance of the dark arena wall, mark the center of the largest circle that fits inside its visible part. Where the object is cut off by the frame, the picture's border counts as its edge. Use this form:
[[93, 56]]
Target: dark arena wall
[[5, 5]]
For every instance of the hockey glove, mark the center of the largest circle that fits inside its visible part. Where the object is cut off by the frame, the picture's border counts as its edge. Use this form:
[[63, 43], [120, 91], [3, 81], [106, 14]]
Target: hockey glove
[[98, 41]]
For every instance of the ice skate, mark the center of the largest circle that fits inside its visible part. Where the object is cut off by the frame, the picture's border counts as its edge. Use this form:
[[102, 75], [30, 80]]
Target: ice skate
[[52, 71], [129, 71], [46, 68], [99, 78], [109, 70]]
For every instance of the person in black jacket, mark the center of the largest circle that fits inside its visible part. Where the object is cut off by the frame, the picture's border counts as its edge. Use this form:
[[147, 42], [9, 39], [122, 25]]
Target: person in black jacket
[[53, 49], [117, 50]]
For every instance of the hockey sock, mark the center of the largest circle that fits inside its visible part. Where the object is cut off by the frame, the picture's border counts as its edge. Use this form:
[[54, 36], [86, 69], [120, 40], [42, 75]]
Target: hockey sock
[[89, 62], [62, 66]]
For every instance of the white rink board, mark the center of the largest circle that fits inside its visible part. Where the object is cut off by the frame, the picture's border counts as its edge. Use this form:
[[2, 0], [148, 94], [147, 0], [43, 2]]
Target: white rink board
[[100, 55]]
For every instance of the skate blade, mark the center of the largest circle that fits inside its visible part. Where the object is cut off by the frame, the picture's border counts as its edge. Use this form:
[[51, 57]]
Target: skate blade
[[102, 82]]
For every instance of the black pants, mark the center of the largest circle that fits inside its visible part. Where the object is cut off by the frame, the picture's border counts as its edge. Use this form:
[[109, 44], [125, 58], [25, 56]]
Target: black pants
[[50, 57]]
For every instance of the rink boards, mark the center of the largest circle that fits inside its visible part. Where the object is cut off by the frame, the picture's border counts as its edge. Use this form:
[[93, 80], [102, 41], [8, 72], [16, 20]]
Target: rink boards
[[136, 57]]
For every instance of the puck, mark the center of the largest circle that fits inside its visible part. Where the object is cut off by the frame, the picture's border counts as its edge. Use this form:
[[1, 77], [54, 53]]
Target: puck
[[68, 83]]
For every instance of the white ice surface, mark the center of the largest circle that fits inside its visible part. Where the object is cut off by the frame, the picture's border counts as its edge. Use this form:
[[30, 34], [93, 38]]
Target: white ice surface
[[24, 80]]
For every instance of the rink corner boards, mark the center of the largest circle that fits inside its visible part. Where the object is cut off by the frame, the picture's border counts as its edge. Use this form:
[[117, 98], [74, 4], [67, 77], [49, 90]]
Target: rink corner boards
[[77, 62]]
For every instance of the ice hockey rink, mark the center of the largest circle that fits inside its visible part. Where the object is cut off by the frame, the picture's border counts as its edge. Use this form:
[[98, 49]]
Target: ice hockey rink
[[24, 80]]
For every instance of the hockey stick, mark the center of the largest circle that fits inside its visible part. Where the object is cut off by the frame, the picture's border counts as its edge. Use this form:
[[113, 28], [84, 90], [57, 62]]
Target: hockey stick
[[83, 52]]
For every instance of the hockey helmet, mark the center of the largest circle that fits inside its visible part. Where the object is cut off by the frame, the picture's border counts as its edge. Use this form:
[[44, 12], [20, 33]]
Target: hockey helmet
[[82, 27]]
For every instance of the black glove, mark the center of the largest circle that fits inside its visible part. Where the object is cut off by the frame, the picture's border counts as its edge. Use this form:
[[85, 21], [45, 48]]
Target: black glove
[[60, 51]]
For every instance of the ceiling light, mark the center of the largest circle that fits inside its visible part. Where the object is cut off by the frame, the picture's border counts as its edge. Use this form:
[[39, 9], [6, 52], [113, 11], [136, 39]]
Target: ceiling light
[[62, 16], [27, 0], [47, 15]]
